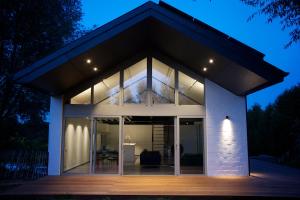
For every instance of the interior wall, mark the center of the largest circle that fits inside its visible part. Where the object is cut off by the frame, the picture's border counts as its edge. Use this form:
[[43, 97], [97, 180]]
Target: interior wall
[[110, 136], [77, 142], [141, 135]]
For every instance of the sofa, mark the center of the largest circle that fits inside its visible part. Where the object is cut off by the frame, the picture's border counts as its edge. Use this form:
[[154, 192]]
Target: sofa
[[150, 158]]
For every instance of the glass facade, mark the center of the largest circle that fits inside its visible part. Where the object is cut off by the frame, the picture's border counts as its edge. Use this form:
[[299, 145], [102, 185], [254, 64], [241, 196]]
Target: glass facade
[[191, 146], [190, 91], [148, 145], [163, 82], [108, 90], [106, 146], [135, 89], [82, 98], [135, 83], [148, 142]]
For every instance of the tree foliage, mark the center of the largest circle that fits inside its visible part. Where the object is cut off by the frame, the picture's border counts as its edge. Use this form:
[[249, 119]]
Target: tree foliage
[[288, 11], [30, 29], [276, 130]]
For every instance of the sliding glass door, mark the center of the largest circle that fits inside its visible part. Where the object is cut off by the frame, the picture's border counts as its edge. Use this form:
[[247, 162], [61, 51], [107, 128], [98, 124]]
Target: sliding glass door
[[105, 151], [191, 146], [148, 145]]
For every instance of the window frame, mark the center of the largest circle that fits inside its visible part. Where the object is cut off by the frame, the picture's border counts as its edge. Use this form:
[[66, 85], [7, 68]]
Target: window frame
[[149, 99]]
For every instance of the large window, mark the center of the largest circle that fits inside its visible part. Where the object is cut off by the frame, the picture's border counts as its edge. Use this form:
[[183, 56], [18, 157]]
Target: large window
[[191, 91], [134, 88], [82, 98], [107, 91], [135, 83], [163, 82]]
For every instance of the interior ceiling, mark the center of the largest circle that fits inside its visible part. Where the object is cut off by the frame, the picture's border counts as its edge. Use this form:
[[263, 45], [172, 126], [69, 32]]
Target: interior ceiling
[[149, 120], [150, 35]]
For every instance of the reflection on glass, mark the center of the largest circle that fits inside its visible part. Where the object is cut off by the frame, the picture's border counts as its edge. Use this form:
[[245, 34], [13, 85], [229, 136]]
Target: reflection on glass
[[191, 91], [163, 82], [82, 98], [77, 146], [191, 146], [106, 152], [135, 83], [107, 91]]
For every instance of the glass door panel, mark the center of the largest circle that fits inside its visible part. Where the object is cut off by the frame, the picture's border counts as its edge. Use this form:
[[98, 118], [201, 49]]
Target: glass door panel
[[148, 146], [191, 148], [106, 146]]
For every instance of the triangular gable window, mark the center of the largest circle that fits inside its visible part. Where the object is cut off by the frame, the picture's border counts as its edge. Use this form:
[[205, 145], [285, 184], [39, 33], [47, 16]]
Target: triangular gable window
[[135, 83], [162, 87], [108, 90], [163, 83]]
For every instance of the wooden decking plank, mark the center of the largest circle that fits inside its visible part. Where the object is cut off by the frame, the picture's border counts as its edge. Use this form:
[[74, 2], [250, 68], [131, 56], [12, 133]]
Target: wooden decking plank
[[157, 185]]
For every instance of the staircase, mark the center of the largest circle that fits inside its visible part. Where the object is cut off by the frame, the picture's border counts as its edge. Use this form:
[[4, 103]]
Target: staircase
[[158, 139]]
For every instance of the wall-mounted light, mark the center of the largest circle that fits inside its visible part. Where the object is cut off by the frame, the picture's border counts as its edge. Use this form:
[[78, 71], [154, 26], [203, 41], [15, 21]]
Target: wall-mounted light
[[211, 61], [204, 69], [88, 61], [95, 69], [226, 117]]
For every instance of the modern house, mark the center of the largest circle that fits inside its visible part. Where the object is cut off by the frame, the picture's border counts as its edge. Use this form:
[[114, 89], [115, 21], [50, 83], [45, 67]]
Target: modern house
[[153, 92]]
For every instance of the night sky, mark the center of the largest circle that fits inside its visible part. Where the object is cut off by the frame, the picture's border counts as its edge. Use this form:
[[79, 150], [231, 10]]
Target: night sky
[[229, 17]]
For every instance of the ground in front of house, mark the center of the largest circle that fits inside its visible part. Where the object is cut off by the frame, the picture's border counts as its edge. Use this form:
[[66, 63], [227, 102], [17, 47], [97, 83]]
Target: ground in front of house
[[266, 180]]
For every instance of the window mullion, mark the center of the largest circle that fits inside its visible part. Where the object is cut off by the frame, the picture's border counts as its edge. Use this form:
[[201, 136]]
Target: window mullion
[[92, 94], [176, 88], [149, 80], [121, 96]]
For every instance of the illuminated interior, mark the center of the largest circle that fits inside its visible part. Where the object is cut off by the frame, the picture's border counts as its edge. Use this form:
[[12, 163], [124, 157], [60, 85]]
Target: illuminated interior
[[135, 83], [163, 82], [77, 145], [107, 91], [136, 77], [82, 98]]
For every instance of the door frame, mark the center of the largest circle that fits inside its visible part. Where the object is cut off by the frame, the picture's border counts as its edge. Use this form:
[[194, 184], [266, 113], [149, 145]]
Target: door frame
[[121, 141], [93, 145], [177, 150]]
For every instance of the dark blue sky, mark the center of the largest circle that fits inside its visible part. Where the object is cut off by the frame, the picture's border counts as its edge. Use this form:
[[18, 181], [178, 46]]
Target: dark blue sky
[[229, 17]]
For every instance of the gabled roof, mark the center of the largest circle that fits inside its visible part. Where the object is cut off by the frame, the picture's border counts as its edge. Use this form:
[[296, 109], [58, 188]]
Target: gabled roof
[[161, 30]]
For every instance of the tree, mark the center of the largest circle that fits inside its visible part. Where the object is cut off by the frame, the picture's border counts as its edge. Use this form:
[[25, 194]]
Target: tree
[[276, 130], [288, 11], [30, 30], [255, 122]]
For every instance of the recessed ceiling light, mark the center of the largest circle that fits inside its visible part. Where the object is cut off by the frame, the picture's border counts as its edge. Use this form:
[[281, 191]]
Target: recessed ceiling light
[[88, 61], [204, 69], [95, 69], [211, 61]]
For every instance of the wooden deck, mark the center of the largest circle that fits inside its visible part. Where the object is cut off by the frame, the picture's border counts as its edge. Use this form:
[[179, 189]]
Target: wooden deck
[[159, 185]]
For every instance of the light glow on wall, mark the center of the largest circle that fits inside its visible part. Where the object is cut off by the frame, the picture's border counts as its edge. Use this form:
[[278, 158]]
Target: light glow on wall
[[227, 129], [77, 143], [228, 147]]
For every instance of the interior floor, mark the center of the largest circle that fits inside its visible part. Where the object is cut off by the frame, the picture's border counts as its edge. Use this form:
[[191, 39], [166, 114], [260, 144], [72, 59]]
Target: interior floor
[[103, 167]]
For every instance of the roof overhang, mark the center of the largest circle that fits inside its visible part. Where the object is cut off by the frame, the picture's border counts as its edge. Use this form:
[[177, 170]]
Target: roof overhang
[[161, 30]]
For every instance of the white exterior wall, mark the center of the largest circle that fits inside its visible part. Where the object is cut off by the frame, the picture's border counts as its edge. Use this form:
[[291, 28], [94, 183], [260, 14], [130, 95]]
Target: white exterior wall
[[226, 140], [55, 135]]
